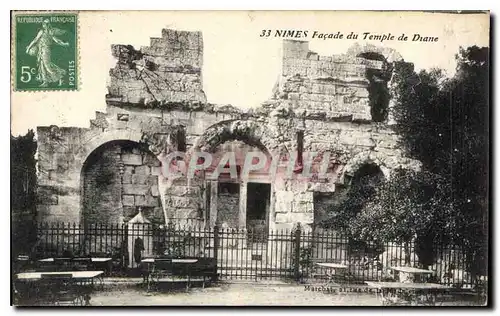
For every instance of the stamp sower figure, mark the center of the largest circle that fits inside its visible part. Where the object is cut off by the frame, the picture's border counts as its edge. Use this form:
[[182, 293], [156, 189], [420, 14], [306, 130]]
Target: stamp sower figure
[[48, 72]]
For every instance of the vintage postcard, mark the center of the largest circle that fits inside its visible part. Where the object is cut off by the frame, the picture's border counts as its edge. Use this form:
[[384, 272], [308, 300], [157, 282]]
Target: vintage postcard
[[250, 158]]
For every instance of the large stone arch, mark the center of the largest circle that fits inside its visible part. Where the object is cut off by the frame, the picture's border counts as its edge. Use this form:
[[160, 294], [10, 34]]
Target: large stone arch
[[123, 173], [248, 131], [158, 144], [361, 159], [105, 137], [390, 54], [386, 163]]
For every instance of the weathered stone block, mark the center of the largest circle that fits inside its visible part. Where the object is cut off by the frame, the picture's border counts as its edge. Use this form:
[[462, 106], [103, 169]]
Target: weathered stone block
[[182, 190], [282, 218], [127, 178], [156, 171], [128, 169], [293, 96], [158, 212], [150, 160], [132, 159], [129, 212], [306, 218], [128, 200], [154, 190], [136, 189], [146, 200], [302, 207], [179, 202], [295, 49], [143, 170], [139, 179]]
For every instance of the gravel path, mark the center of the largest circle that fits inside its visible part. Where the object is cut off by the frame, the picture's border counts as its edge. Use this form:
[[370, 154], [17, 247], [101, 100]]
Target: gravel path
[[233, 294]]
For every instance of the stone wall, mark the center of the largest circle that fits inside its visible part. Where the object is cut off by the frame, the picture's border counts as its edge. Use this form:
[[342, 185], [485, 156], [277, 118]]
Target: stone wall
[[324, 97], [228, 211], [168, 69], [330, 87], [140, 184], [102, 186]]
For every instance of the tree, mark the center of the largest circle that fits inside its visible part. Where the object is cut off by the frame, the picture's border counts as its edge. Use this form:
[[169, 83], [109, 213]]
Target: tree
[[443, 123], [466, 161], [23, 189], [362, 187], [411, 205]]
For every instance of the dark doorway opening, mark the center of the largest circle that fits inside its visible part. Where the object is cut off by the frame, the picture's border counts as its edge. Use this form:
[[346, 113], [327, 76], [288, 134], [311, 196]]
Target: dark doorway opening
[[258, 201], [228, 204]]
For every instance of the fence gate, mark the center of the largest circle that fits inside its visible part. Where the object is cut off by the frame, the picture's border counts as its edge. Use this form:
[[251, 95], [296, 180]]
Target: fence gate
[[244, 254]]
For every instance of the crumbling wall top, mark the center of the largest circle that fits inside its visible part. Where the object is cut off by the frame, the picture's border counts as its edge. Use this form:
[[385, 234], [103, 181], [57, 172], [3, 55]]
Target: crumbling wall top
[[336, 87], [169, 70]]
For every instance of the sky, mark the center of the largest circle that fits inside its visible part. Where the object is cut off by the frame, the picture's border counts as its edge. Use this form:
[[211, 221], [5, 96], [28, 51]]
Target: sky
[[239, 67]]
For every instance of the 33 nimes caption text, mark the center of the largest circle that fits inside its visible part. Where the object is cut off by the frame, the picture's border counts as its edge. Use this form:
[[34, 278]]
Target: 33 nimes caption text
[[367, 36]]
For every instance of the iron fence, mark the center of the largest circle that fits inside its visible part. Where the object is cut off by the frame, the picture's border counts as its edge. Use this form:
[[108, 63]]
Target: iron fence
[[244, 254]]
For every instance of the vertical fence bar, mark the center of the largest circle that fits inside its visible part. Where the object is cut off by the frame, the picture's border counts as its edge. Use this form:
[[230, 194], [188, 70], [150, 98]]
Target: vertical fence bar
[[216, 249], [260, 251], [270, 251], [225, 235], [242, 265], [235, 237], [297, 253], [58, 246], [244, 251], [281, 253], [277, 238], [288, 253]]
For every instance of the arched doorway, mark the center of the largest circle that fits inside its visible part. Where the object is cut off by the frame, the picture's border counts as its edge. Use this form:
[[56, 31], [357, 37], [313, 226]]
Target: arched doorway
[[117, 178], [349, 198], [241, 202]]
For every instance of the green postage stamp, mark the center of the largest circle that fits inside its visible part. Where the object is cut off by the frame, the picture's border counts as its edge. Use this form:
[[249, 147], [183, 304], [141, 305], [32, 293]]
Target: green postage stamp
[[46, 51]]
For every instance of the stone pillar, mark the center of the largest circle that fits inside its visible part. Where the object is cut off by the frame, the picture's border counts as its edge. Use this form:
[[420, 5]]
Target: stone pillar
[[242, 218], [214, 188], [270, 211]]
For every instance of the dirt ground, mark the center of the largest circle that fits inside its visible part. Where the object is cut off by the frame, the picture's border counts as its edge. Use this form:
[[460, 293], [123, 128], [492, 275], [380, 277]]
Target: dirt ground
[[236, 295]]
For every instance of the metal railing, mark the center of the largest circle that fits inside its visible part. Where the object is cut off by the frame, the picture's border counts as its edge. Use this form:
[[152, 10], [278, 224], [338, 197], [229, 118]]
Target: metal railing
[[246, 254]]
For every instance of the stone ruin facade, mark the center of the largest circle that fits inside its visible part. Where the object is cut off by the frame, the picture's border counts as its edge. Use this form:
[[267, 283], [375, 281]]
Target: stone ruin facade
[[156, 104]]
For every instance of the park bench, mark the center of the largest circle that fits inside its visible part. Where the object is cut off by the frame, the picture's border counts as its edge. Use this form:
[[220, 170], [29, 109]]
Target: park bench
[[188, 270], [75, 263], [476, 294], [329, 271], [205, 268], [55, 288]]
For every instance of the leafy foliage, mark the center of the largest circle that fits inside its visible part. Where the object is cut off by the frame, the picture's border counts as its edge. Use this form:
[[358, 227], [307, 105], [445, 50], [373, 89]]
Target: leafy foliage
[[411, 204], [23, 188], [377, 88], [23, 170], [363, 186], [443, 123]]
